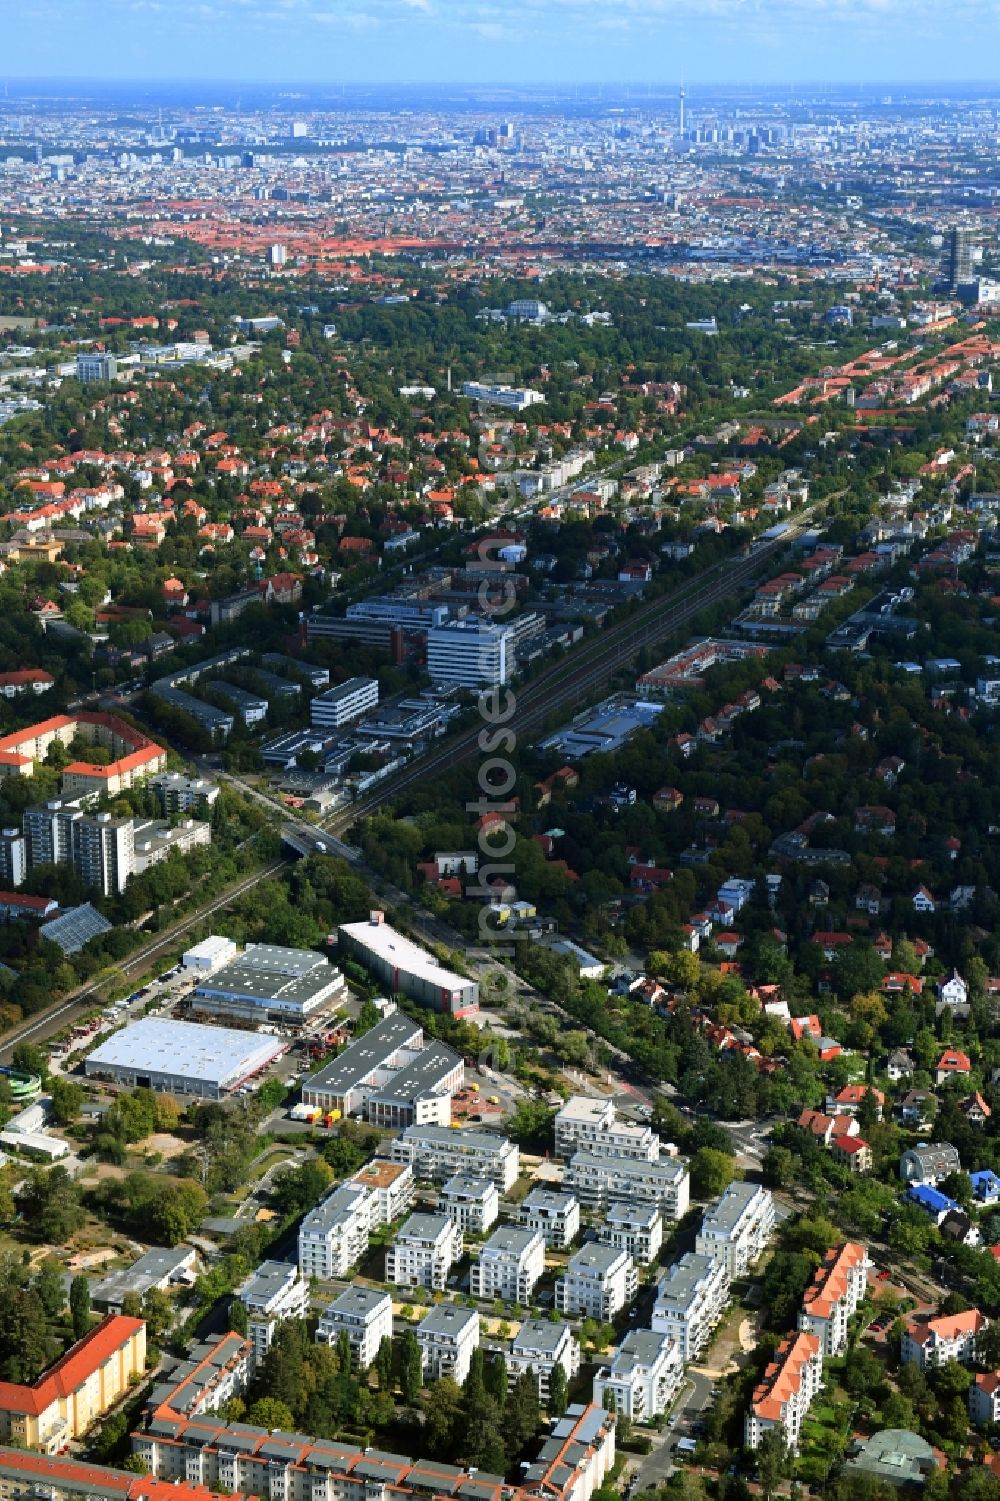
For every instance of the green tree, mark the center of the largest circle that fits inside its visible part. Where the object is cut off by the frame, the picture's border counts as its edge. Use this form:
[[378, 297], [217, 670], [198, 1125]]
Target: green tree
[[79, 1305], [67, 1100], [772, 1460], [48, 1285], [269, 1412], [368, 1016], [410, 1367], [521, 1415], [558, 1391], [383, 1365], [442, 1405], [712, 1172], [49, 1203]]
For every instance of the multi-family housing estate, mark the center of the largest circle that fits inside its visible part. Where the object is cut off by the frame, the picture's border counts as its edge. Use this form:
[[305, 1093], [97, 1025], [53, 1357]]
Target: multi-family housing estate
[[736, 1230], [555, 1215], [788, 1386], [635, 1228], [72, 1394], [391, 1183], [538, 1346], [598, 1181], [436, 1154], [932, 1342], [509, 1265], [832, 1297], [593, 1126], [334, 1236], [691, 1297], [364, 1314], [447, 1336], [599, 1280], [275, 1291], [473, 1203], [424, 1251], [643, 1377]]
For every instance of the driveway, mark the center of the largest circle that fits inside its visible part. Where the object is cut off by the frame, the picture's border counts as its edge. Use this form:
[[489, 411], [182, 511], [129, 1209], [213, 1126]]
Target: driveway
[[658, 1466]]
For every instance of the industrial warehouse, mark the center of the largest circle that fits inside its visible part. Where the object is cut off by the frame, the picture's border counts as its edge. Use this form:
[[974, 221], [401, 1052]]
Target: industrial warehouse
[[268, 983], [393, 1073], [183, 1058], [404, 966]]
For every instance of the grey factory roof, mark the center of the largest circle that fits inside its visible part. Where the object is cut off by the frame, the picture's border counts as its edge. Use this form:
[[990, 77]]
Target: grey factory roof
[[447, 1318], [372, 1050], [539, 1335], [267, 972], [423, 1075], [594, 1260], [187, 1050]]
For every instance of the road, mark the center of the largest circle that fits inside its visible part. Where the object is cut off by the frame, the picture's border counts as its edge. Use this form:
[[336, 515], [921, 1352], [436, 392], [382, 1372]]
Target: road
[[695, 1395]]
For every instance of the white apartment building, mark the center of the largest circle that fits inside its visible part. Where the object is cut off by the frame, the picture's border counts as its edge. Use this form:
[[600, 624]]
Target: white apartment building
[[597, 1284], [436, 1153], [832, 1298], [365, 1314], [585, 1125], [984, 1399], [691, 1298], [273, 1292], [736, 1230], [473, 1203], [643, 1377], [788, 1386], [509, 1265], [338, 706], [599, 1181], [470, 653], [333, 1237], [555, 1215], [447, 1336], [424, 1252], [393, 1185], [635, 1228], [933, 1342], [539, 1346]]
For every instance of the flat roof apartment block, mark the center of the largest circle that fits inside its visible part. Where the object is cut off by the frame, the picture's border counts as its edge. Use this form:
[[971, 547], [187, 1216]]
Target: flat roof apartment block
[[447, 1336], [691, 1297], [437, 1153], [424, 1252], [555, 1215], [473, 1203], [598, 1282], [364, 1314], [600, 1181], [538, 1347], [586, 1125], [738, 1227], [509, 1265]]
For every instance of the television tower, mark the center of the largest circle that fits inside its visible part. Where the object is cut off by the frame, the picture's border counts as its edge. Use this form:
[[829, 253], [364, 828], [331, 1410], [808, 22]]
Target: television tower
[[680, 121]]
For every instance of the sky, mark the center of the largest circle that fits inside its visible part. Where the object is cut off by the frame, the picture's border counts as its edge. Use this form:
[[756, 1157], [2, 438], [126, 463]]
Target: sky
[[637, 42]]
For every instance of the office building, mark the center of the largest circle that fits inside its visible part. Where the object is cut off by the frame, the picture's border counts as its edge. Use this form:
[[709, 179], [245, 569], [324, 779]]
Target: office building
[[473, 1203], [736, 1230], [339, 706], [393, 1074], [211, 954], [277, 255], [538, 1347], [436, 1154], [509, 1265], [635, 1228], [831, 1300], [68, 1398], [96, 367], [182, 1058], [600, 1181], [555, 1215], [782, 1398], [249, 707], [402, 965], [691, 1298], [364, 1314], [424, 1252], [597, 1284], [470, 653], [586, 1125], [333, 1237], [275, 1291], [643, 1377], [270, 983], [447, 1336], [517, 399]]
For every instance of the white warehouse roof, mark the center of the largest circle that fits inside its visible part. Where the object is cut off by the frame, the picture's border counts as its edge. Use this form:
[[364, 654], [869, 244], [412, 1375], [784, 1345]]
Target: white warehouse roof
[[212, 1055]]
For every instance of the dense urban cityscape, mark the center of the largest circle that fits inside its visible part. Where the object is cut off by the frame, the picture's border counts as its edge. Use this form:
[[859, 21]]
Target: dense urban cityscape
[[499, 794]]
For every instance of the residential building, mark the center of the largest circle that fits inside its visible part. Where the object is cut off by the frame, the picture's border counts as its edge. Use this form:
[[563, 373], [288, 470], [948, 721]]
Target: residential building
[[691, 1298], [984, 1399], [181, 794], [100, 848], [509, 1265], [643, 1377], [216, 1369], [932, 1342], [598, 1282], [788, 1386], [365, 1315], [424, 1252], [436, 1154], [930, 1163], [333, 1237], [593, 1126], [832, 1297], [68, 1398], [159, 1268], [599, 1181], [635, 1228], [275, 1291], [447, 1336], [555, 1215], [737, 1229], [473, 1203], [539, 1346], [392, 1184]]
